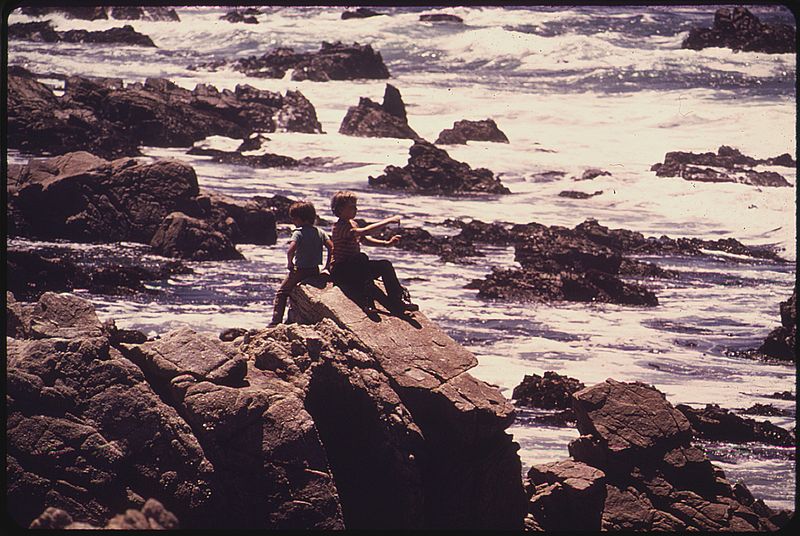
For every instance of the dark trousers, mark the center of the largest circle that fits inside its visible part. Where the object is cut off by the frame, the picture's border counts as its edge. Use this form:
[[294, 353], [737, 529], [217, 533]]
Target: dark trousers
[[355, 273], [292, 280]]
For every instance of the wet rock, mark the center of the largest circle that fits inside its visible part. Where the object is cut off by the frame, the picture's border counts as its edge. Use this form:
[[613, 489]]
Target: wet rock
[[766, 409], [551, 391], [44, 32], [732, 161], [29, 274], [108, 119], [185, 237], [450, 412], [633, 468], [783, 395], [430, 170], [370, 119], [578, 195], [333, 61], [144, 13], [261, 161], [360, 13], [441, 17], [781, 343], [238, 16], [465, 130], [449, 249], [717, 423], [739, 29], [231, 334], [70, 12], [152, 516], [243, 222], [592, 173]]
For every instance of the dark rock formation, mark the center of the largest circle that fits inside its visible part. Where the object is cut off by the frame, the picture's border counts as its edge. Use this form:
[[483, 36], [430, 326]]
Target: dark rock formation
[[266, 160], [44, 32], [370, 119], [335, 61], [781, 343], [634, 469], [430, 170], [107, 119], [152, 516], [766, 410], [31, 274], [578, 195], [102, 12], [360, 13], [739, 29], [182, 236], [551, 391], [440, 17], [684, 165], [449, 249], [238, 16], [720, 424], [592, 173], [454, 441], [465, 130], [243, 435], [87, 199]]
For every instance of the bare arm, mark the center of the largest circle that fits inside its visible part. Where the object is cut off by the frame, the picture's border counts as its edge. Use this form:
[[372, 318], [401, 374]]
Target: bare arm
[[290, 255], [329, 246], [377, 242], [362, 231]]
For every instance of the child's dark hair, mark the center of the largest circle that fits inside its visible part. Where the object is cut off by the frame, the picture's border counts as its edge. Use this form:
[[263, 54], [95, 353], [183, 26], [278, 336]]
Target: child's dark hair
[[340, 200], [303, 211]]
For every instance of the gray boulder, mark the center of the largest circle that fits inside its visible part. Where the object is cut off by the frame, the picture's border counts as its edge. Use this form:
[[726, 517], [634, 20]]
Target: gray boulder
[[185, 237]]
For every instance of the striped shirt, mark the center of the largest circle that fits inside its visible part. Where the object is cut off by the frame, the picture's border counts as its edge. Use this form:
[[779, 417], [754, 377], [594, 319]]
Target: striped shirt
[[345, 241]]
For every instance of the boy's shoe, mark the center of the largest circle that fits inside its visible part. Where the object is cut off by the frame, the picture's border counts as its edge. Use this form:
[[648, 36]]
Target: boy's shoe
[[404, 303], [273, 324]]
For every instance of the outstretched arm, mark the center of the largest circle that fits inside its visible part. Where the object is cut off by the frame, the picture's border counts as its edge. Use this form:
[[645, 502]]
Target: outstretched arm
[[363, 231], [377, 242]]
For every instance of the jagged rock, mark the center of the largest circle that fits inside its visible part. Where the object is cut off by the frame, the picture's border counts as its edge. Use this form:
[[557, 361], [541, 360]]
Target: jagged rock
[[335, 61], [592, 173], [266, 160], [440, 17], [44, 32], [551, 391], [231, 334], [71, 12], [684, 165], [182, 236], [783, 395], [717, 423], [152, 516], [633, 468], [238, 16], [370, 119], [155, 13], [253, 221], [766, 409], [430, 170], [781, 343], [739, 29], [360, 13], [454, 412], [578, 195], [102, 12], [449, 249], [108, 119], [465, 130]]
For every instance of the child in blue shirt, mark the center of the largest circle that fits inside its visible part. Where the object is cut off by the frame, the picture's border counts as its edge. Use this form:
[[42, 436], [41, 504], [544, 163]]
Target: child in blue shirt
[[304, 254]]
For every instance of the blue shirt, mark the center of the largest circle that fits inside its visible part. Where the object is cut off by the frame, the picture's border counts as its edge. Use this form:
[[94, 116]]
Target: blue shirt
[[309, 241]]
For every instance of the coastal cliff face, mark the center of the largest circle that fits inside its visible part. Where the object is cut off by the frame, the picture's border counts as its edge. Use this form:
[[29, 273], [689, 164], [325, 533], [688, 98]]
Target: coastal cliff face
[[300, 426]]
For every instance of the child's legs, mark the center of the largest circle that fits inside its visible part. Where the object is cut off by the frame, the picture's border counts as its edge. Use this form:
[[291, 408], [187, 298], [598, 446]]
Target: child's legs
[[281, 297], [385, 271], [351, 276]]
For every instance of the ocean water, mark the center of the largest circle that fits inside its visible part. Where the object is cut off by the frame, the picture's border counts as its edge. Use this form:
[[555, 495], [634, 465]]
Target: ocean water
[[573, 88]]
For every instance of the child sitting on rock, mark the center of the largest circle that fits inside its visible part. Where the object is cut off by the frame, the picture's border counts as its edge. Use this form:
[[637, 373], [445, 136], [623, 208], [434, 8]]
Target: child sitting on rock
[[351, 269], [304, 254]]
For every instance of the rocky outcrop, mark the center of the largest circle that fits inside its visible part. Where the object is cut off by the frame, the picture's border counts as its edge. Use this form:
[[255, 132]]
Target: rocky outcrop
[[441, 17], [44, 32], [370, 119], [244, 435], [360, 13], [728, 165], [182, 236], [572, 194], [781, 343], [31, 274], [110, 120], [430, 170], [633, 468], [739, 29], [152, 516], [83, 198], [716, 423], [333, 61], [592, 173], [466, 130], [101, 12], [238, 16], [459, 444], [551, 391]]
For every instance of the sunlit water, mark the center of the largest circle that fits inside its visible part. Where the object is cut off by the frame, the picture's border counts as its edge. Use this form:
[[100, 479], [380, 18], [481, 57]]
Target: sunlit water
[[572, 88]]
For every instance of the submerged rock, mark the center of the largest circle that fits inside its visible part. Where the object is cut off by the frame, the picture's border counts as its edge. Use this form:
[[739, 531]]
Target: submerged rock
[[713, 422], [370, 119], [430, 170], [739, 29], [578, 195], [238, 16], [684, 165], [360, 13], [466, 130], [441, 17], [633, 468]]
